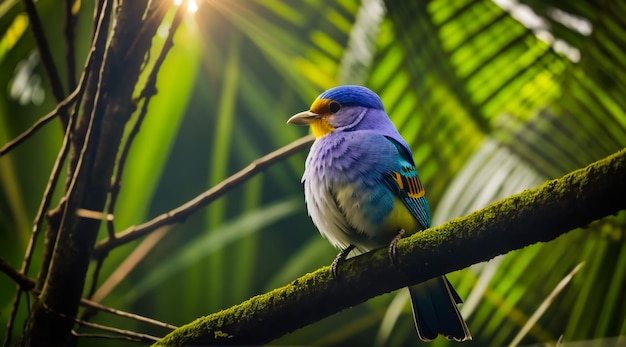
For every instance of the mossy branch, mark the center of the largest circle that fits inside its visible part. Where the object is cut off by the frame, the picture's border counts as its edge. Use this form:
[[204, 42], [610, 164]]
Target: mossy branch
[[535, 215]]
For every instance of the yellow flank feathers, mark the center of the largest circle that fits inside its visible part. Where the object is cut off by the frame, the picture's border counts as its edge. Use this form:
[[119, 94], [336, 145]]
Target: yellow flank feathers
[[321, 128], [401, 218]]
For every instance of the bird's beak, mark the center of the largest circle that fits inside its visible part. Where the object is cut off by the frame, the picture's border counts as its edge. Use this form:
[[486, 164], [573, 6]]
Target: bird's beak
[[304, 118]]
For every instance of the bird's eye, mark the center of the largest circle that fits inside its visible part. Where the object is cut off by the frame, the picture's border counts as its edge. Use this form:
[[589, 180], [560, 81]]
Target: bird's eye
[[334, 106]]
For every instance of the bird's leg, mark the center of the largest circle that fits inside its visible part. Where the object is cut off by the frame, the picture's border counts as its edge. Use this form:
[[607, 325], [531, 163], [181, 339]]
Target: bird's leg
[[340, 258], [392, 248]]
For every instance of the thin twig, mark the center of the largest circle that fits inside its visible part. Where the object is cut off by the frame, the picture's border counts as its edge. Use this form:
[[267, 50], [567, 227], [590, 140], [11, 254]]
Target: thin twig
[[103, 336], [102, 18], [180, 213], [94, 277], [23, 284], [97, 12], [22, 281], [45, 203], [123, 332], [148, 91], [62, 107], [46, 55], [143, 337], [28, 284], [70, 44], [47, 197], [12, 316], [97, 306]]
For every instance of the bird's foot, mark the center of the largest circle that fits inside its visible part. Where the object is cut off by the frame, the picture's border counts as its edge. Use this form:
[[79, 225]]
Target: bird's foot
[[340, 258], [392, 248]]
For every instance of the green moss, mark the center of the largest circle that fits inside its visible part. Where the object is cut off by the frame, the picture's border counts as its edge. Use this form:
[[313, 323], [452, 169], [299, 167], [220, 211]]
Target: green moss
[[218, 335]]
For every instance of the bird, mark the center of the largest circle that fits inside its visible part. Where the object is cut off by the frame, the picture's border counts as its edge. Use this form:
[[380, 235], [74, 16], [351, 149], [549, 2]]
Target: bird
[[363, 192]]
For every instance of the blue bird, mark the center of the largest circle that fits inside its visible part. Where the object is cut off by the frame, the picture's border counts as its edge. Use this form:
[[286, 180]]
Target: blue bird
[[362, 190]]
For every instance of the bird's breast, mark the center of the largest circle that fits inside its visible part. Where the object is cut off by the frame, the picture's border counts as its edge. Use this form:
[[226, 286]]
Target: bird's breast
[[347, 198]]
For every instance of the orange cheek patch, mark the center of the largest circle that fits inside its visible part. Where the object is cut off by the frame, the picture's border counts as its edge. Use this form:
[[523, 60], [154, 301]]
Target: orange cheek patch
[[320, 106]]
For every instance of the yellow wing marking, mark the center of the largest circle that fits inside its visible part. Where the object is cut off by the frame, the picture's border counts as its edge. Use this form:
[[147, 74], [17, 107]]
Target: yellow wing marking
[[414, 188]]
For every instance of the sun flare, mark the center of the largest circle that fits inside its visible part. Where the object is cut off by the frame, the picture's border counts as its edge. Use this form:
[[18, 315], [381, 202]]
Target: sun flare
[[192, 5]]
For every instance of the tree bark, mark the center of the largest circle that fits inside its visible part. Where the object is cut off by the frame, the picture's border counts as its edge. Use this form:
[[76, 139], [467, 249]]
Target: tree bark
[[536, 215]]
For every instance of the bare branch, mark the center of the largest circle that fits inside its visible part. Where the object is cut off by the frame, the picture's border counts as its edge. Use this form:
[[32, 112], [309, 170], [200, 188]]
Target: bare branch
[[47, 198], [148, 91], [23, 284], [61, 108], [104, 336], [92, 69], [46, 55], [99, 307], [182, 212], [92, 64], [22, 281], [28, 284], [12, 316], [70, 42], [95, 276], [128, 333], [536, 215], [92, 172], [45, 203]]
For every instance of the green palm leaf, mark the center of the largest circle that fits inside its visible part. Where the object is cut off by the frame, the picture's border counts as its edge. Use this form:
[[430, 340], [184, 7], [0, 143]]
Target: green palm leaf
[[492, 96]]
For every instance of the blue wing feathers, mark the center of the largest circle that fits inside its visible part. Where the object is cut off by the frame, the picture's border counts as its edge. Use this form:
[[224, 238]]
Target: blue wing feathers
[[405, 183]]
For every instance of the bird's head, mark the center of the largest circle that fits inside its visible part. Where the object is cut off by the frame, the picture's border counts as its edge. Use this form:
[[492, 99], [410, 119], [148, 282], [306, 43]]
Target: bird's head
[[340, 108]]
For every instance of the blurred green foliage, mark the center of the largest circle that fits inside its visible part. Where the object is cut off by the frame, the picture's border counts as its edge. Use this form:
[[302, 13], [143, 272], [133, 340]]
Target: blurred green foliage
[[493, 97]]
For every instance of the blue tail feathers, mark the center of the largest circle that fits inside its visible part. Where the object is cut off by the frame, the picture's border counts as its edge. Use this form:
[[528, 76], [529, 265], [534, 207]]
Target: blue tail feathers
[[435, 311]]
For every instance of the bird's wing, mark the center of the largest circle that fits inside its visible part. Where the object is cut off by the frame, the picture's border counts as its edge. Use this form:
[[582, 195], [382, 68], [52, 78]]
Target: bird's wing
[[406, 184]]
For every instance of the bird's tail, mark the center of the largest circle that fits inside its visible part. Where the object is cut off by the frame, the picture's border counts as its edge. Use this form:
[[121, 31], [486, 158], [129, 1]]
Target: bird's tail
[[435, 311]]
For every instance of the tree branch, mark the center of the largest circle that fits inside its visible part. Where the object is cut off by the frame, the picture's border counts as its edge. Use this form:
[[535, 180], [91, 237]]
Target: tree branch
[[120, 332], [61, 108], [89, 182], [46, 56], [22, 281], [536, 215], [146, 94], [180, 213], [28, 284], [70, 41]]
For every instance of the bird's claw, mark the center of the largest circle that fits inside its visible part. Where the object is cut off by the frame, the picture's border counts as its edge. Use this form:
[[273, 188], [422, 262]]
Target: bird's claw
[[392, 248], [340, 258]]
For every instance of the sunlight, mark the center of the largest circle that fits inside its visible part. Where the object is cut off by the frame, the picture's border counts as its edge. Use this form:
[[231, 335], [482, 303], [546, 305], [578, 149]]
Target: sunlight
[[192, 5]]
